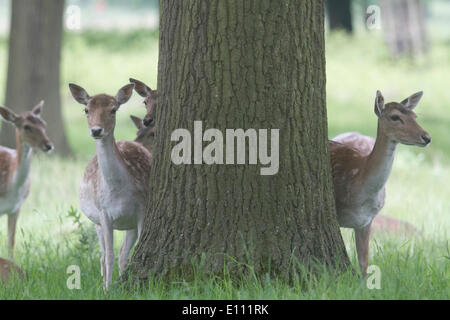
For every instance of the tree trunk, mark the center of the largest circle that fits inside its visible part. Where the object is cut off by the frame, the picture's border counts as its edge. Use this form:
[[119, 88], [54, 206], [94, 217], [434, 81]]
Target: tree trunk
[[404, 27], [340, 15], [33, 67], [241, 64]]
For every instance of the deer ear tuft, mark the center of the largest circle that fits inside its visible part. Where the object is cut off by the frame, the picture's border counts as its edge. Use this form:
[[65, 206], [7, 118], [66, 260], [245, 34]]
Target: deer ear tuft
[[9, 115], [141, 88], [412, 101], [37, 109], [79, 94], [379, 103], [124, 94], [137, 122]]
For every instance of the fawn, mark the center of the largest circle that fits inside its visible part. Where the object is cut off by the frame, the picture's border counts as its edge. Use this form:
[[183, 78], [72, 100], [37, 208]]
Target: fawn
[[361, 167], [150, 100], [7, 268], [114, 190], [145, 135], [15, 164]]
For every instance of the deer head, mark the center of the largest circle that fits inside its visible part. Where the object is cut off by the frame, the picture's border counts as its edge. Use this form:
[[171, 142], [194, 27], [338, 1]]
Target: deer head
[[398, 121], [101, 109], [30, 127], [150, 99], [145, 135]]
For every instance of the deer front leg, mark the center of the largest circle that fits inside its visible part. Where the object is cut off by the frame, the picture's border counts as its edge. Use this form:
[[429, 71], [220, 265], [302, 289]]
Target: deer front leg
[[12, 223], [362, 237], [128, 243], [108, 236], [101, 240]]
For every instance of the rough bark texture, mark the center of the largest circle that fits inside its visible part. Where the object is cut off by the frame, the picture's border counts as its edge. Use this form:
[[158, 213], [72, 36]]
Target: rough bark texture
[[404, 27], [241, 64], [340, 14], [34, 66]]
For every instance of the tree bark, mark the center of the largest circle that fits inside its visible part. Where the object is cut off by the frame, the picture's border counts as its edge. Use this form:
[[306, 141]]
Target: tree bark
[[340, 15], [241, 64], [404, 27], [34, 66]]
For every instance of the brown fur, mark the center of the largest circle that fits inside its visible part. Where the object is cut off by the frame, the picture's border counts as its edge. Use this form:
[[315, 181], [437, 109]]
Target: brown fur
[[137, 160], [7, 269]]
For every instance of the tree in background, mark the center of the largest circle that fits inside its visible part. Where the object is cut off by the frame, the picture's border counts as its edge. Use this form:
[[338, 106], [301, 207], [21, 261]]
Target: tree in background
[[404, 27], [339, 15], [241, 64], [34, 66]]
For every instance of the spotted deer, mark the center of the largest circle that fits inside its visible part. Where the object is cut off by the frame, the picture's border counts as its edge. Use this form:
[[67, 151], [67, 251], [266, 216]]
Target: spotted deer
[[361, 167], [150, 100], [145, 135], [7, 269], [113, 192], [15, 164]]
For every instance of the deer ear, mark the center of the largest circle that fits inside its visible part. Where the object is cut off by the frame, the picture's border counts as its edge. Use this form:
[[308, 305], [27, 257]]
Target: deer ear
[[141, 88], [379, 103], [9, 115], [79, 94], [412, 101], [124, 94], [137, 122], [37, 110]]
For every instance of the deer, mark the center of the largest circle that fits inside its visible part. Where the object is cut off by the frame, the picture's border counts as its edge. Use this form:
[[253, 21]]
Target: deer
[[361, 167], [145, 135], [7, 269], [150, 100], [114, 189], [15, 164]]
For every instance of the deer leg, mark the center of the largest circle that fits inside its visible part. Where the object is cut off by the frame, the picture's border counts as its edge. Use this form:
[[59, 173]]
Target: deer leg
[[101, 240], [12, 223], [128, 243], [108, 236], [362, 237]]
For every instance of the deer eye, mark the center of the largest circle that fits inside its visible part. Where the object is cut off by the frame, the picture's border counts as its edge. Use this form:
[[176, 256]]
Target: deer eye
[[396, 118], [27, 128], [86, 110]]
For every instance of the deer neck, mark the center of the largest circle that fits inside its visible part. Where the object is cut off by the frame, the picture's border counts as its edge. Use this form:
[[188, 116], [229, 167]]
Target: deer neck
[[23, 162], [111, 163], [379, 163]]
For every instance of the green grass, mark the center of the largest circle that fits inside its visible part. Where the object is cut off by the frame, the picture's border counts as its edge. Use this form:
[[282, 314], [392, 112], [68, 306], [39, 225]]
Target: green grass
[[49, 240]]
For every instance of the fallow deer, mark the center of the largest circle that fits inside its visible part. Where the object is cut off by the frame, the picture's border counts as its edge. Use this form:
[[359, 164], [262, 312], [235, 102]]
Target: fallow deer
[[15, 163], [145, 135], [7, 269], [361, 167], [150, 100], [114, 190]]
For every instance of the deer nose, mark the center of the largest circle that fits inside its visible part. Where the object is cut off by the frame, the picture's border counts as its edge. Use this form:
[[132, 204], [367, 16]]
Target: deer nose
[[426, 138], [96, 132], [48, 146], [147, 122]]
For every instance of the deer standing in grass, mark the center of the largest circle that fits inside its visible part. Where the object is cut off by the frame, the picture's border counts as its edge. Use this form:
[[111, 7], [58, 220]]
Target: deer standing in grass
[[15, 164], [114, 190], [361, 167]]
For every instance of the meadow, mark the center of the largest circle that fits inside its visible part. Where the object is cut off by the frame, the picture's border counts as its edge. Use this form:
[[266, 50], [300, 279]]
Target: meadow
[[53, 234]]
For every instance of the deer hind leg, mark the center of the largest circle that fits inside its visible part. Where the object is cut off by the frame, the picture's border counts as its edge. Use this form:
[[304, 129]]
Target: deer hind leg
[[101, 240], [12, 223], [362, 237], [128, 243]]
